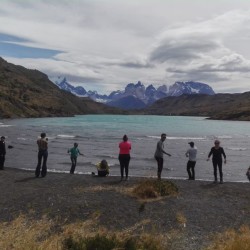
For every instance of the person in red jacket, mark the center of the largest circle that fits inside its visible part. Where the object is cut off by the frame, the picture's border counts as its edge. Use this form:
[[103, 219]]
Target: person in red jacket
[[124, 156]]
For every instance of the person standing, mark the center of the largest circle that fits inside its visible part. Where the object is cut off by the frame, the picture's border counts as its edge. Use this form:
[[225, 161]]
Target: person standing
[[74, 152], [42, 155], [124, 156], [248, 173], [2, 152], [191, 154], [159, 154], [217, 153]]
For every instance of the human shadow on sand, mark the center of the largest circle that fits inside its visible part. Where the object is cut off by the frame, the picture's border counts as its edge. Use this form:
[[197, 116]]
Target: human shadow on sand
[[26, 179]]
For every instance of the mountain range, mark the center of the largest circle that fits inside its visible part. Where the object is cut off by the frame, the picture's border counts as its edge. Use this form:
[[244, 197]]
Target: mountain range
[[137, 96], [30, 93]]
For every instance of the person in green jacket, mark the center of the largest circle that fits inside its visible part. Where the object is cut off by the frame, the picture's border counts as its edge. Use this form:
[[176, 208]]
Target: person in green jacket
[[74, 152]]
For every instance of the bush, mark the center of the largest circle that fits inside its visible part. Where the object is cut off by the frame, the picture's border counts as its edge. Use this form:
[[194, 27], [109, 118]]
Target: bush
[[102, 242], [98, 242], [154, 188]]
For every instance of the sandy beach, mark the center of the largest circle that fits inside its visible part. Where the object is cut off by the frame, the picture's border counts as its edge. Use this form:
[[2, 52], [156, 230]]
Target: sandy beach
[[199, 211]]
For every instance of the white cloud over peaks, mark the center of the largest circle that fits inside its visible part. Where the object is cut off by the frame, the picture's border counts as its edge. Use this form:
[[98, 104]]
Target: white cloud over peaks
[[199, 51], [103, 44]]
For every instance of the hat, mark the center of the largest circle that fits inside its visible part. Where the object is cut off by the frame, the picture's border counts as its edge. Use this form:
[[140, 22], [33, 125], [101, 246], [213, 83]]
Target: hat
[[191, 143], [2, 137]]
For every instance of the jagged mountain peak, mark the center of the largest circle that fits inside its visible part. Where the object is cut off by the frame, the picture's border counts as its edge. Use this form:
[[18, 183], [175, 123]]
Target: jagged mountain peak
[[146, 95]]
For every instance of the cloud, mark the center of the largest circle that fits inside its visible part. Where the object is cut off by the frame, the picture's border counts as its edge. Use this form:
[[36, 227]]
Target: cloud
[[107, 44], [182, 50]]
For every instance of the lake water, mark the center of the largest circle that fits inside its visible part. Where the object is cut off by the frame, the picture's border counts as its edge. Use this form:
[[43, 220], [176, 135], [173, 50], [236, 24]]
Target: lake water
[[99, 135]]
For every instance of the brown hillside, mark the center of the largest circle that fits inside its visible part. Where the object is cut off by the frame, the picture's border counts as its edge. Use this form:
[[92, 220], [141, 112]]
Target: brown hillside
[[29, 93], [219, 106]]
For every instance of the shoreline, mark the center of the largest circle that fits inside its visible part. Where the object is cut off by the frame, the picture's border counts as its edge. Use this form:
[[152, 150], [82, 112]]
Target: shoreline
[[130, 176]]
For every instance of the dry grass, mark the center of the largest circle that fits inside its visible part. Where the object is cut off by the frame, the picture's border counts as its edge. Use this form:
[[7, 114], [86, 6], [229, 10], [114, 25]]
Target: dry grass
[[22, 234], [181, 219], [232, 240], [26, 234], [151, 189]]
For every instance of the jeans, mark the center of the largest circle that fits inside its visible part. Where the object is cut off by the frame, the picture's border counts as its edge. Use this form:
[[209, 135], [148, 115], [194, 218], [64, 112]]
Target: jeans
[[42, 156], [160, 166], [217, 162], [2, 160], [73, 165], [190, 169]]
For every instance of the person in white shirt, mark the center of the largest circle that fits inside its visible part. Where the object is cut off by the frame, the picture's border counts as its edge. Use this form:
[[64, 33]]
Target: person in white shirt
[[191, 154]]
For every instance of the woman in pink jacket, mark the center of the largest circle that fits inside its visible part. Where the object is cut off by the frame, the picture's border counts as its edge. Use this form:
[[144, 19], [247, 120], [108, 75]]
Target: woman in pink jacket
[[124, 156]]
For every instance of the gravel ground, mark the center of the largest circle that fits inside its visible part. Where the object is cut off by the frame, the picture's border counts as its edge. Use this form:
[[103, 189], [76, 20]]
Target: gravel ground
[[200, 210]]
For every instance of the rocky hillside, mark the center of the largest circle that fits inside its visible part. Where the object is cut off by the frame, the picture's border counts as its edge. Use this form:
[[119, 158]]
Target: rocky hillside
[[29, 93], [219, 106]]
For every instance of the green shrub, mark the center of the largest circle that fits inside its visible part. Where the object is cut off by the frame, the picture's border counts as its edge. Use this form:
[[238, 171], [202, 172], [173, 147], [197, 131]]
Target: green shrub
[[102, 242], [98, 242]]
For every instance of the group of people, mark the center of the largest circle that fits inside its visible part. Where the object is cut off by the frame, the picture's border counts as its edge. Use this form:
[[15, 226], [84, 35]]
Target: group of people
[[217, 152]]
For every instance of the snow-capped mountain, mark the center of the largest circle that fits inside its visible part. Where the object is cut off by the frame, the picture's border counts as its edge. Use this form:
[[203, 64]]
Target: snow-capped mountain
[[137, 95], [189, 88], [62, 83]]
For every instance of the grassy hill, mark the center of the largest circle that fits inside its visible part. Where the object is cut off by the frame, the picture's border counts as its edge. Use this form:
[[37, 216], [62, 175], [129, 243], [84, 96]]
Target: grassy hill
[[29, 93], [219, 106]]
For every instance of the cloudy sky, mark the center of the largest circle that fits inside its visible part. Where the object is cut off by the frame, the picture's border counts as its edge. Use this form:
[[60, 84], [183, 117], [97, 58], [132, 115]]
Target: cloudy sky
[[104, 44]]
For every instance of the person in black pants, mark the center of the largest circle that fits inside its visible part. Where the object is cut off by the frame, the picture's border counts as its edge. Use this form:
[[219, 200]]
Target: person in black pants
[[42, 155], [217, 153], [2, 152], [124, 156]]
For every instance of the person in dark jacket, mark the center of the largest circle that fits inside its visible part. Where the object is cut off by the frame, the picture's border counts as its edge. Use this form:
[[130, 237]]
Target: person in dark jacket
[[3, 152], [248, 173], [217, 153]]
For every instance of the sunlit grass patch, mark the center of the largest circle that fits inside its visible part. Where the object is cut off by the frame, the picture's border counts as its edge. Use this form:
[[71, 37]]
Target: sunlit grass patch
[[23, 234], [232, 240], [181, 219], [151, 188], [28, 234]]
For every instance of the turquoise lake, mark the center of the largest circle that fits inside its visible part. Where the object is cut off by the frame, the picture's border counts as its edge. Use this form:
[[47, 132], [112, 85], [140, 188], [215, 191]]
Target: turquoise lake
[[99, 135]]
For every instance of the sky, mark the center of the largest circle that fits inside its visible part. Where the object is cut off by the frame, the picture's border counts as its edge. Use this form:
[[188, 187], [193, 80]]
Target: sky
[[105, 44]]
